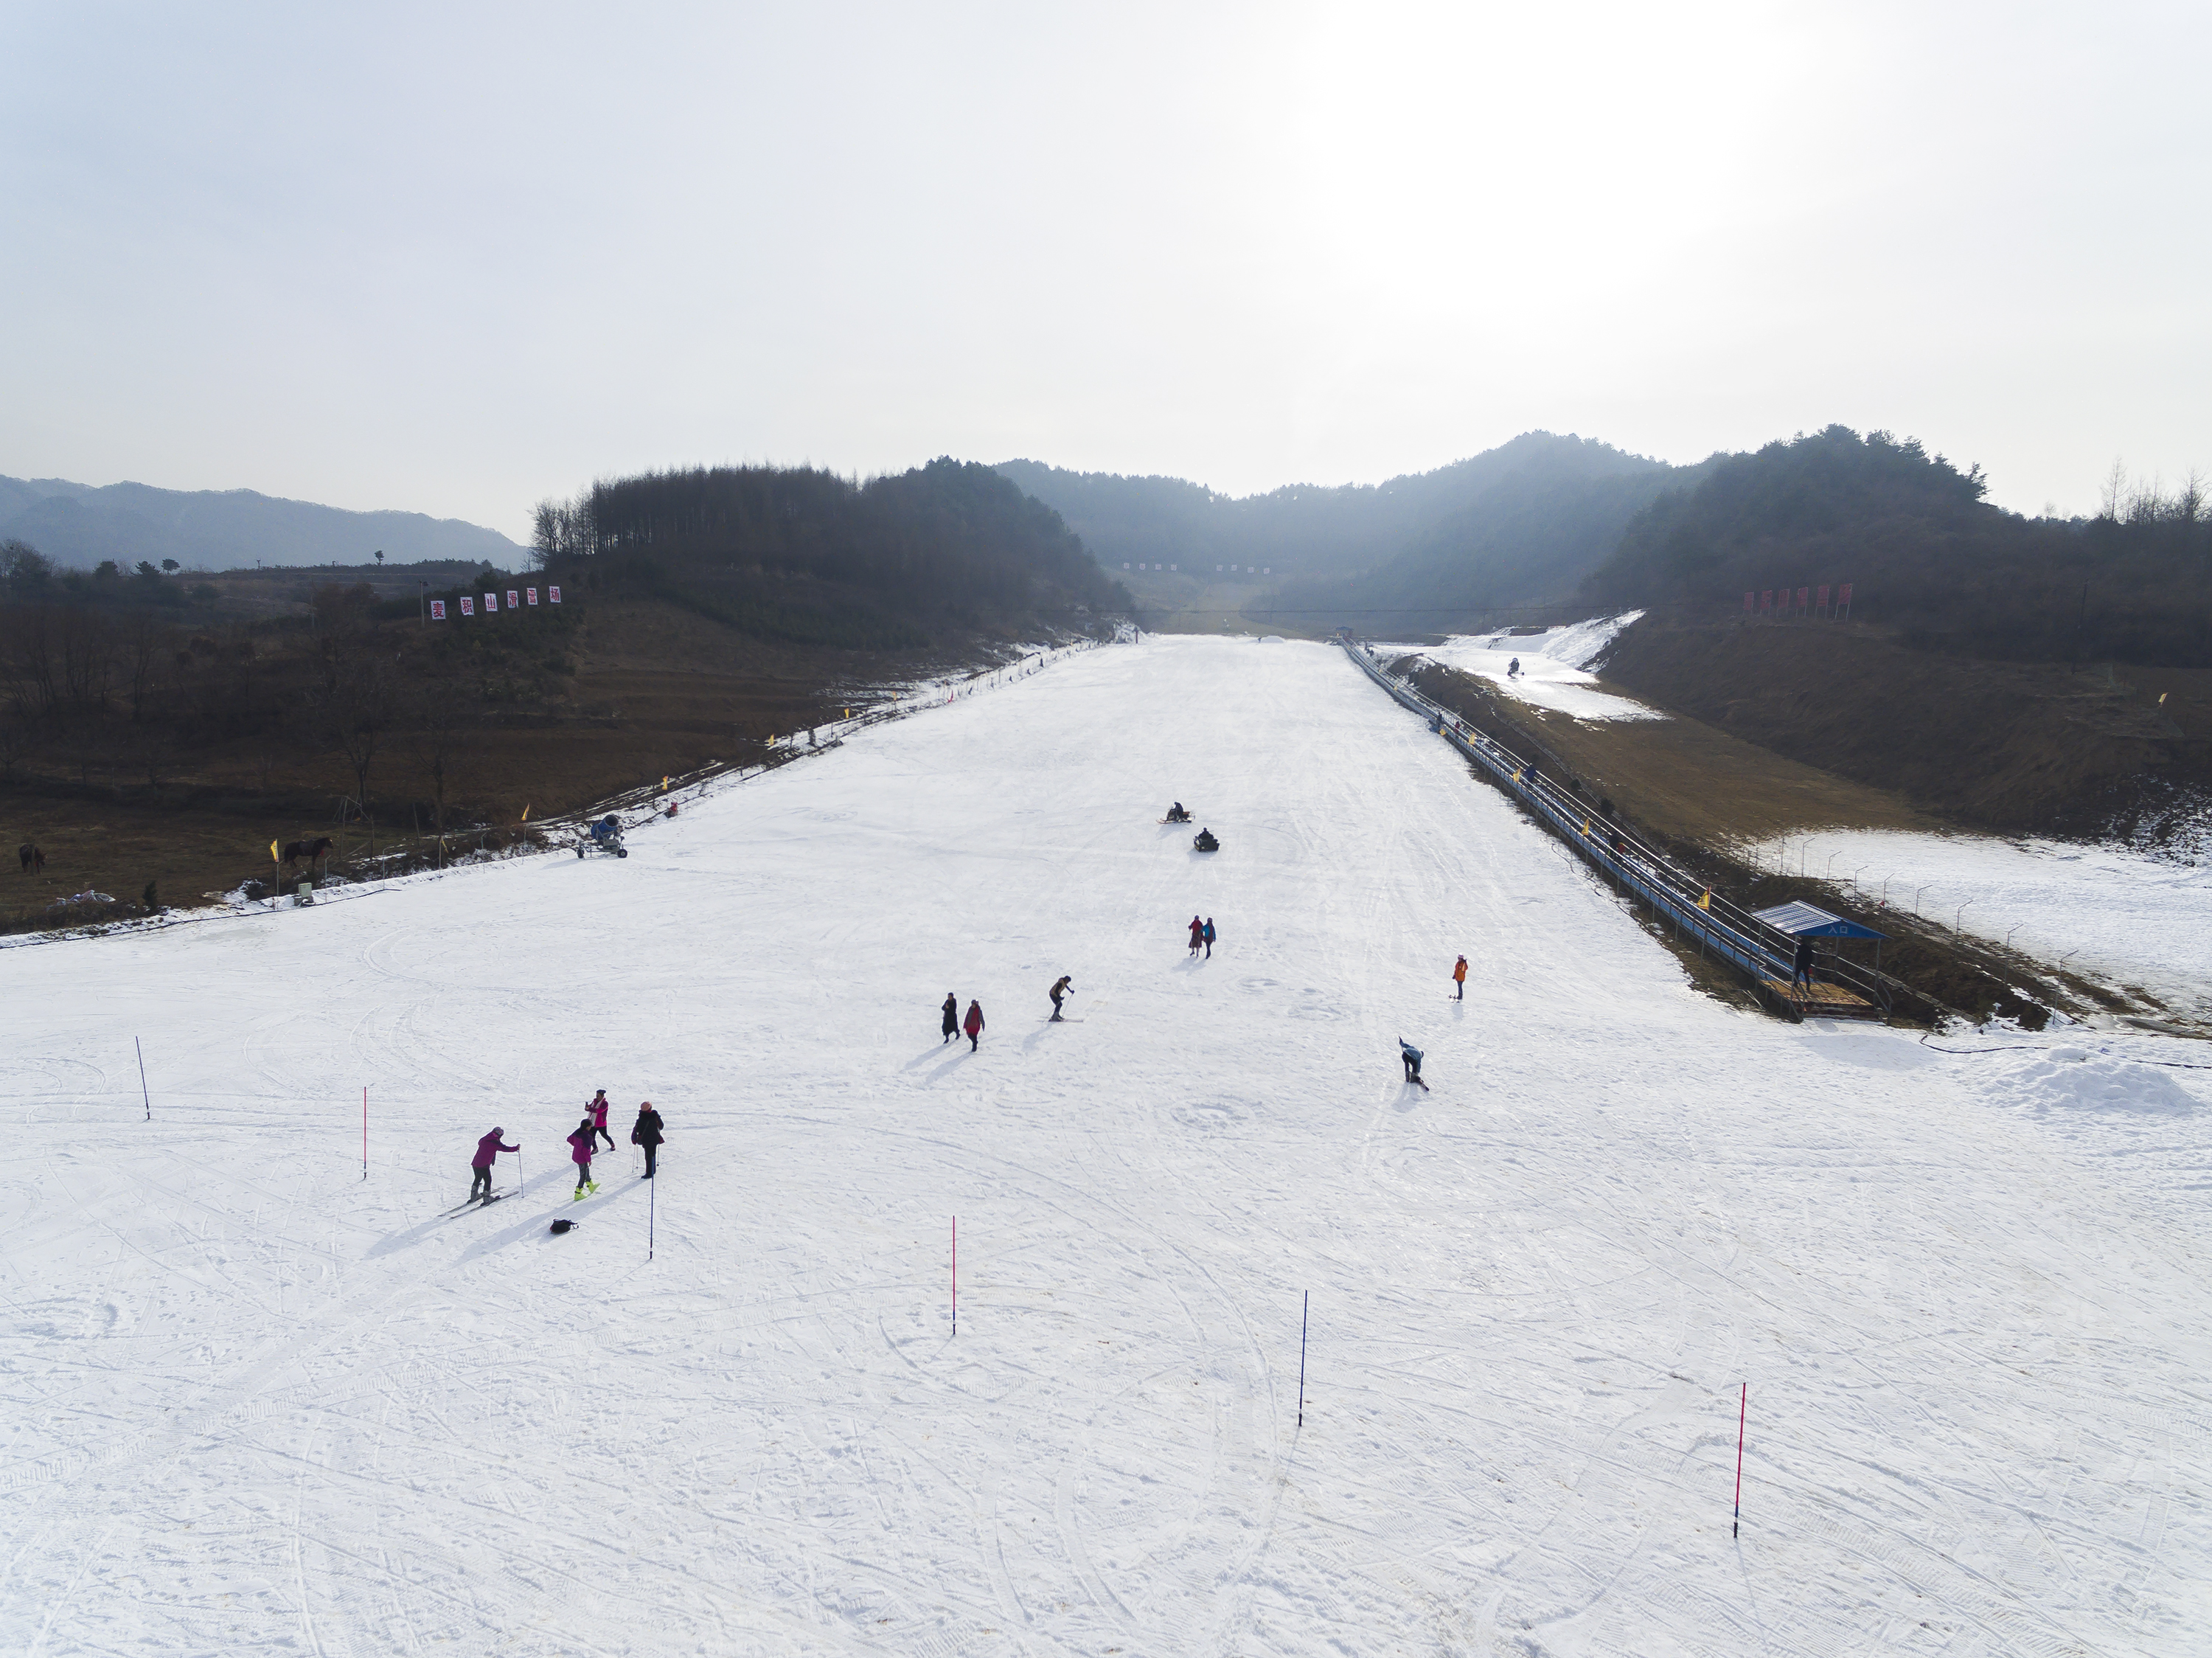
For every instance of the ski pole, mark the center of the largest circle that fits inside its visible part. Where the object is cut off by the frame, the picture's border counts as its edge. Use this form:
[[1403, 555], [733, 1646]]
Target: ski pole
[[1304, 1307], [141, 1046], [1743, 1410]]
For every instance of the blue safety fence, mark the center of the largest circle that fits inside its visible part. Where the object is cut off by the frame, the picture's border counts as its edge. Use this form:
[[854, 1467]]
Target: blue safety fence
[[1720, 927]]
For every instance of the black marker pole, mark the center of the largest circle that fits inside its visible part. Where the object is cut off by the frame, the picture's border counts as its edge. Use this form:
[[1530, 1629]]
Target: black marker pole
[[1304, 1308], [141, 1046]]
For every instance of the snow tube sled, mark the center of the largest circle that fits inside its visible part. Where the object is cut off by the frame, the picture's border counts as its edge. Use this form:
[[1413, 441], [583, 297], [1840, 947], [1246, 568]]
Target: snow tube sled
[[1205, 842], [559, 1227]]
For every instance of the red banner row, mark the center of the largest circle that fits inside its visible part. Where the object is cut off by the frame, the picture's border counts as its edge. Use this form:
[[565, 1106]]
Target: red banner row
[[1776, 599], [516, 600]]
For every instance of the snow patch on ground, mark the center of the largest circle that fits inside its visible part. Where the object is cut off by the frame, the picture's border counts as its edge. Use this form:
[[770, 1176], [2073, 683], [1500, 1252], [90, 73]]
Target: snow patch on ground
[[2119, 914], [2076, 1079], [1554, 668]]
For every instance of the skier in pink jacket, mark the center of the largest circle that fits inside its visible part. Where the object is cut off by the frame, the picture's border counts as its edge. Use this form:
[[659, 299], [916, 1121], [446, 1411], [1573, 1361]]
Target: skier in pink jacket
[[580, 1148], [488, 1150], [598, 1108]]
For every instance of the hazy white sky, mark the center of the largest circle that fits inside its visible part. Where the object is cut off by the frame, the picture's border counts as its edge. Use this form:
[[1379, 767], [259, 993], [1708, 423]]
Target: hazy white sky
[[456, 258]]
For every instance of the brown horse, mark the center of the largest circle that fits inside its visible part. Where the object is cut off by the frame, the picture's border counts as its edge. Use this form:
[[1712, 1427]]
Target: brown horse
[[34, 860], [309, 850]]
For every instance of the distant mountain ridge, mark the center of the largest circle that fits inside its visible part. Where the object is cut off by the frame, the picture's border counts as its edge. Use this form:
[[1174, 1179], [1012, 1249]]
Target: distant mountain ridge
[[79, 525], [1519, 524]]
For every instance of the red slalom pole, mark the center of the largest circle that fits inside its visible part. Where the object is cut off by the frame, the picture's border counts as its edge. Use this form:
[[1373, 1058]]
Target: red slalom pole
[[1743, 1409], [956, 1275]]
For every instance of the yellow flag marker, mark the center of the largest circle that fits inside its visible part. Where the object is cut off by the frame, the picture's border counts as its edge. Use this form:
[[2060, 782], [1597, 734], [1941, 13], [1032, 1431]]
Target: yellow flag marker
[[526, 813], [273, 858], [1586, 825], [1706, 902]]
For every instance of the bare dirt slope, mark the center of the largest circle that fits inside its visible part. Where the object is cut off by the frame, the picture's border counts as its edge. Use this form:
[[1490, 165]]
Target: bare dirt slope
[[1682, 778], [2008, 747]]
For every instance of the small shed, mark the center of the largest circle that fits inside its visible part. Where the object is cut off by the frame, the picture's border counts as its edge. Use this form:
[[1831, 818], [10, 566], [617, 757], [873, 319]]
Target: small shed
[[1802, 920]]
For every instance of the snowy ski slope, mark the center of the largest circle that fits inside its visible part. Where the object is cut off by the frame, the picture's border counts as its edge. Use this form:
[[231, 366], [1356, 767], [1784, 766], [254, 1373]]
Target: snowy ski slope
[[261, 1404]]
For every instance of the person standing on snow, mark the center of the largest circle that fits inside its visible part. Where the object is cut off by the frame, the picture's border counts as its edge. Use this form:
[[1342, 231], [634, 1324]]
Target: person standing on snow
[[1208, 937], [974, 1023], [599, 1108], [488, 1150], [1459, 977], [1412, 1056], [951, 1011], [646, 1132], [1197, 933], [580, 1150], [1063, 986]]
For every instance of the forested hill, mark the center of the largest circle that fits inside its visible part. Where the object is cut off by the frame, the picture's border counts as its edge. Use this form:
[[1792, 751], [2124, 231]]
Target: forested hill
[[913, 561], [1308, 533], [1924, 553], [1536, 516]]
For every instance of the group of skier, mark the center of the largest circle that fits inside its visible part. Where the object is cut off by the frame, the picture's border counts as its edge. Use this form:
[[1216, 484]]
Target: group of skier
[[646, 1133]]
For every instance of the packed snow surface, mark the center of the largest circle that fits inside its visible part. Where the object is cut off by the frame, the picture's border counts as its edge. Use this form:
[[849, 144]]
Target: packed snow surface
[[2116, 913], [259, 1402], [1554, 668]]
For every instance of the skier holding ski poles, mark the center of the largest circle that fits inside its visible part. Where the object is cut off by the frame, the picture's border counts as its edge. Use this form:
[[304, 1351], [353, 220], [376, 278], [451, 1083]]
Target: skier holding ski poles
[[599, 1108], [488, 1150]]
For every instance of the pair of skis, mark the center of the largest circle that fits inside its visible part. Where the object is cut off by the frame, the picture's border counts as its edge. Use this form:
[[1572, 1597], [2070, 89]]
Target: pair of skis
[[475, 1203]]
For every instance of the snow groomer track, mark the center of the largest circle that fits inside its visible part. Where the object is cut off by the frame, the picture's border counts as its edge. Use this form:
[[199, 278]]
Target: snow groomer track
[[260, 1403]]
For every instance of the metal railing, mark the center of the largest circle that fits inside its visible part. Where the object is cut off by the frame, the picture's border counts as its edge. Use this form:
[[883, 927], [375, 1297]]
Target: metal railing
[[1721, 926]]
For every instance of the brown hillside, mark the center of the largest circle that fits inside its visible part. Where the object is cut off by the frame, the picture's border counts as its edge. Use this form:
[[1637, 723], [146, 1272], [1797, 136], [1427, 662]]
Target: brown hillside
[[620, 693], [2008, 746]]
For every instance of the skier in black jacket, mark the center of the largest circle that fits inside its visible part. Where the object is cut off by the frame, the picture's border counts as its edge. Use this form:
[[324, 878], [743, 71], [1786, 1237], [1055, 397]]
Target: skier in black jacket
[[646, 1132], [951, 1011]]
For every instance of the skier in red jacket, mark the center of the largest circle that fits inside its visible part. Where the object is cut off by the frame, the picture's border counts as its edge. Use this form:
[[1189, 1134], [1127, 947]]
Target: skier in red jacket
[[488, 1150], [975, 1025]]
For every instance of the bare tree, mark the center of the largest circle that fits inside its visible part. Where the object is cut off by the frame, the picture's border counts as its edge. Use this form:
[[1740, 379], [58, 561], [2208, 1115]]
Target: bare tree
[[440, 740], [148, 657], [2113, 498], [357, 709]]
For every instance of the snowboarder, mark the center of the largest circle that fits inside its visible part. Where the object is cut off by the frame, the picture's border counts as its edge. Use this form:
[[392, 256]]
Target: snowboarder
[[1208, 936], [1197, 933], [951, 1011], [579, 1150], [1063, 986], [975, 1026], [599, 1108], [1459, 977], [1412, 1056], [488, 1150], [646, 1132], [1205, 842]]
